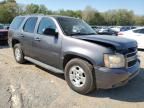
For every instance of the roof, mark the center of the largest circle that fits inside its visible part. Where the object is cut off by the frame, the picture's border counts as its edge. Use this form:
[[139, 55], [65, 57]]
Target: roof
[[40, 15]]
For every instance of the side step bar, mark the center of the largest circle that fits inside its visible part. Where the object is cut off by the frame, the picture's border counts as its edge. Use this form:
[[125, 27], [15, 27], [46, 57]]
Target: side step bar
[[43, 65]]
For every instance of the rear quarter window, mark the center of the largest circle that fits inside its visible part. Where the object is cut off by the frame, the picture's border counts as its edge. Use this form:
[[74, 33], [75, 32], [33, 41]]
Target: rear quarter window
[[16, 23]]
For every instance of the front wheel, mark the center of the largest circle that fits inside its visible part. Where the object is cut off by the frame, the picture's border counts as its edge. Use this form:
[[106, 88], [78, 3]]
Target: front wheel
[[79, 76]]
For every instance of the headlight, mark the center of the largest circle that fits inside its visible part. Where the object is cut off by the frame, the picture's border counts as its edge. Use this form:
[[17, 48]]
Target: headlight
[[114, 61]]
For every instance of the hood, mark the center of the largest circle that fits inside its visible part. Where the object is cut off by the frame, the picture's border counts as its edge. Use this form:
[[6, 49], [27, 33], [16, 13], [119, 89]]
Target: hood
[[118, 42]]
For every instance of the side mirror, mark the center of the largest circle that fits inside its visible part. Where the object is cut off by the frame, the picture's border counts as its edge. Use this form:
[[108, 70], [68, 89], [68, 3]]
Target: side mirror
[[50, 31], [7, 28]]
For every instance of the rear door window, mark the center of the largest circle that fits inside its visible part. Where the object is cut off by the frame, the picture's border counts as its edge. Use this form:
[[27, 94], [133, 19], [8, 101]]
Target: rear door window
[[30, 24], [16, 23]]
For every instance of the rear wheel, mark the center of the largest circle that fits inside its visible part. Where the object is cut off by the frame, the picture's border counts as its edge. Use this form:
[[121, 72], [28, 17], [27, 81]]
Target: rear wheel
[[18, 54], [79, 76]]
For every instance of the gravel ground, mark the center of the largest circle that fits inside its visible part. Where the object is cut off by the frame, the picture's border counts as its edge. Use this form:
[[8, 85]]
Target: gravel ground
[[29, 86]]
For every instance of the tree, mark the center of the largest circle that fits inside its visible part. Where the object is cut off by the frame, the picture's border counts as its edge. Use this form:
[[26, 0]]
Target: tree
[[13, 1], [92, 16], [8, 10], [31, 9], [119, 17], [109, 17], [71, 13], [139, 20], [42, 9], [124, 17], [88, 14]]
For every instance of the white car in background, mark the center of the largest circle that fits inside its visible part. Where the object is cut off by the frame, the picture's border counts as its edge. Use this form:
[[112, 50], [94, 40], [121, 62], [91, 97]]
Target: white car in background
[[102, 30], [136, 34], [117, 29]]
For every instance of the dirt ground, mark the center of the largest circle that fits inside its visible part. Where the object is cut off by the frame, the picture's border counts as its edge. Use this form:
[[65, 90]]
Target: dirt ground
[[29, 86]]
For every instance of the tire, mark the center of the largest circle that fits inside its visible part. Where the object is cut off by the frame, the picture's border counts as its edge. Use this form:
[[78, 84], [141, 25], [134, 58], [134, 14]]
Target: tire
[[20, 56], [83, 86]]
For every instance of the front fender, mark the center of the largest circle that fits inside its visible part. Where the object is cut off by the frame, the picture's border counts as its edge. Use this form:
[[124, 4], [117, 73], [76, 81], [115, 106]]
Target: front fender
[[91, 51], [81, 52]]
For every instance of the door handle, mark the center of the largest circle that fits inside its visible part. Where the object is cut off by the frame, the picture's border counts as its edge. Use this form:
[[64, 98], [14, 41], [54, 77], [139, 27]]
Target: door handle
[[37, 39], [21, 35]]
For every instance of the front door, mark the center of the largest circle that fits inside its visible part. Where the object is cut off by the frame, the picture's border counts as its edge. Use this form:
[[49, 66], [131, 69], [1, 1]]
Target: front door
[[47, 48]]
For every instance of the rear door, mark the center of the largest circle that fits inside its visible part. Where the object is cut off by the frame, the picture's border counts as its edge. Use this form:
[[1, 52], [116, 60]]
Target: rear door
[[27, 35]]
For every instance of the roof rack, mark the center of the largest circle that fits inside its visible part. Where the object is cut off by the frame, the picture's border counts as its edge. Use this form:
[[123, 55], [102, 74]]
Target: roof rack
[[32, 14]]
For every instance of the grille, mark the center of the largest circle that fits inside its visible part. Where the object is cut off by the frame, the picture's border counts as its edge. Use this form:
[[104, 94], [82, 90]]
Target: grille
[[131, 63], [131, 57]]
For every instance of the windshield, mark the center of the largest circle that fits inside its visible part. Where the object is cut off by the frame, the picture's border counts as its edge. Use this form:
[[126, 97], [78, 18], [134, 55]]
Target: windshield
[[73, 27], [1, 27]]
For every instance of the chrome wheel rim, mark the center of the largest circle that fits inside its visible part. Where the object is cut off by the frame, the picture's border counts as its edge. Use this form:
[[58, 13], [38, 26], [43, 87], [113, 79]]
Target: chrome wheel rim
[[17, 54], [77, 76]]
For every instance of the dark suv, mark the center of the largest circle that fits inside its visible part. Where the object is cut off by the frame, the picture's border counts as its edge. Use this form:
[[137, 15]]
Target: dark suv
[[3, 34], [70, 46]]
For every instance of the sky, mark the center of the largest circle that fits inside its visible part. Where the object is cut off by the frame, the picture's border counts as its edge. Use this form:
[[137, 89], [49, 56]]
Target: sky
[[101, 5]]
